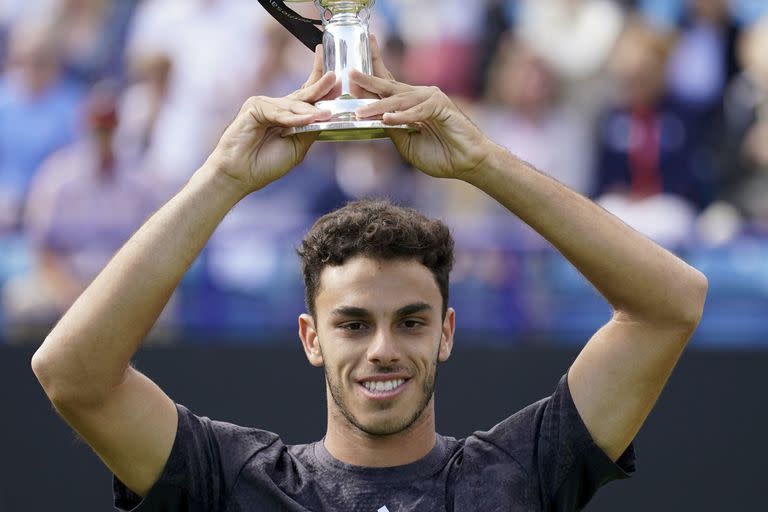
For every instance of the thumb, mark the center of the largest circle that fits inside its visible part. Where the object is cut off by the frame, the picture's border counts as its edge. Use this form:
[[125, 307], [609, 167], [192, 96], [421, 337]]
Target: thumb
[[302, 142], [379, 68], [401, 139]]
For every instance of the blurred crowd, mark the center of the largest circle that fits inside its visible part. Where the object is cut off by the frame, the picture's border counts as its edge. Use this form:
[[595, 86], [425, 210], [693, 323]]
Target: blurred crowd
[[657, 109]]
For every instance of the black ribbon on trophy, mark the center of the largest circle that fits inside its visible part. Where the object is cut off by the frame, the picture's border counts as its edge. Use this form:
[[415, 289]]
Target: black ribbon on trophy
[[303, 28]]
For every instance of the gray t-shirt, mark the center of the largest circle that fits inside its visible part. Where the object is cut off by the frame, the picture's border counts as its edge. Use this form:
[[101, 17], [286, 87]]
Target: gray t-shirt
[[541, 458]]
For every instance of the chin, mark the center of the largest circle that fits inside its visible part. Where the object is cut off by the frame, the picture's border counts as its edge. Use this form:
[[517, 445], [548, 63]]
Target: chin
[[384, 427], [387, 426]]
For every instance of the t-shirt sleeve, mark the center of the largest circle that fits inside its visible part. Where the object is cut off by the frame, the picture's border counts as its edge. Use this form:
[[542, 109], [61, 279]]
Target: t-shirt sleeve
[[204, 463], [550, 441]]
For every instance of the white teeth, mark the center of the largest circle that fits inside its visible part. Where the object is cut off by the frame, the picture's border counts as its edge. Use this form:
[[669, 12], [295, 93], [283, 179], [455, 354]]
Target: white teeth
[[383, 386]]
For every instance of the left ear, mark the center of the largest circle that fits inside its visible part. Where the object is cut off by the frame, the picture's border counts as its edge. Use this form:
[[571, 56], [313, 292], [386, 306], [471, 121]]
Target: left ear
[[446, 340]]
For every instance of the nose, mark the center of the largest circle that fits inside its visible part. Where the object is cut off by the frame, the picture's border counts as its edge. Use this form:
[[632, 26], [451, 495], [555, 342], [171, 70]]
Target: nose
[[384, 349]]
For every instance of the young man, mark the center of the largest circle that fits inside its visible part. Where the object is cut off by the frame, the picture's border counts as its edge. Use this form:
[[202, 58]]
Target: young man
[[379, 324]]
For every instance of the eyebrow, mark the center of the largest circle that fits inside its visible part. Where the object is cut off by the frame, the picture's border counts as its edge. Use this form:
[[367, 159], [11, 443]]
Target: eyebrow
[[351, 312], [357, 312], [412, 309]]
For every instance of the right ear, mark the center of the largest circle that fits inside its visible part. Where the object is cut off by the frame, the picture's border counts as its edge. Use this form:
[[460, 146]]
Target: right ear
[[310, 340]]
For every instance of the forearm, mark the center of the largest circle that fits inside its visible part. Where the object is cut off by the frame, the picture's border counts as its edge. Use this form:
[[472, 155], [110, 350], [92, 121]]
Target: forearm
[[640, 279], [88, 352]]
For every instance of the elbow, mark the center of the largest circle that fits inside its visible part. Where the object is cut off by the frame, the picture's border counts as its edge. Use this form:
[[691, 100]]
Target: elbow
[[70, 380], [62, 385], [41, 367], [680, 309], [694, 298], [45, 369]]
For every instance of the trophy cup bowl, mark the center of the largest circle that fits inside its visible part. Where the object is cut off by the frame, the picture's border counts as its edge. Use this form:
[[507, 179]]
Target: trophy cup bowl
[[346, 46]]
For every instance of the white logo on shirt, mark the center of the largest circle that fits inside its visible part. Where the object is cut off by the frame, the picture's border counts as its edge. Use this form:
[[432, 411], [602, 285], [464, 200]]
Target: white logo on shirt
[[383, 509]]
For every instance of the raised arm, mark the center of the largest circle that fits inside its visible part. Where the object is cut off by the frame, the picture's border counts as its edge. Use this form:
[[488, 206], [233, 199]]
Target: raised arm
[[657, 298], [84, 363]]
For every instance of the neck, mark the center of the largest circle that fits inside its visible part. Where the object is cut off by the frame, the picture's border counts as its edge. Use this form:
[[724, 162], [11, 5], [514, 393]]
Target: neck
[[349, 444]]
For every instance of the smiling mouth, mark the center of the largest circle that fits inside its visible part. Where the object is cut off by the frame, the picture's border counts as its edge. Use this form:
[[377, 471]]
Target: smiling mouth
[[383, 386], [383, 389]]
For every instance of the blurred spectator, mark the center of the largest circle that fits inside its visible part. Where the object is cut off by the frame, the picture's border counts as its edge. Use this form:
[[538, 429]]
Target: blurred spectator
[[367, 169], [90, 35], [441, 41], [525, 115], [14, 12], [142, 104], [704, 58], [38, 114], [749, 11], [745, 183], [215, 48], [500, 19], [575, 38], [84, 204], [667, 13], [647, 168], [285, 67]]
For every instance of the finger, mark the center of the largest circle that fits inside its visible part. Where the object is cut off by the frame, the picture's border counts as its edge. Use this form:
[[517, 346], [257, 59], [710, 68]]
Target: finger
[[376, 85], [379, 68], [420, 113], [396, 103], [317, 90], [360, 93], [295, 106], [298, 107], [317, 67], [267, 114], [334, 93]]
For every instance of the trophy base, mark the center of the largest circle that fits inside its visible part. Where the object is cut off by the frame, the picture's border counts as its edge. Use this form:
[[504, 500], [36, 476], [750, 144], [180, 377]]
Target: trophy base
[[348, 130]]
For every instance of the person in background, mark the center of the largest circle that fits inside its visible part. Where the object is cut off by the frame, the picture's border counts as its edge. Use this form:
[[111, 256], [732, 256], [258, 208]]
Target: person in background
[[525, 114], [142, 102], [83, 205], [12, 12], [575, 38], [745, 181], [91, 37], [649, 148], [440, 42], [208, 42], [704, 59], [38, 115]]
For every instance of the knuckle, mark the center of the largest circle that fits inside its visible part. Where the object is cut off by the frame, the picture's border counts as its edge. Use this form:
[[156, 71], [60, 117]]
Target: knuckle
[[436, 92], [254, 101]]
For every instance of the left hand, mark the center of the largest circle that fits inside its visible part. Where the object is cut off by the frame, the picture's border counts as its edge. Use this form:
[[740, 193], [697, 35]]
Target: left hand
[[448, 144]]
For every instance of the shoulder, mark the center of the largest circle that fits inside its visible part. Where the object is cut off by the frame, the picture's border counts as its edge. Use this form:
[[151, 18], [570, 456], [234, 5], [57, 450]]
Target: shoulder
[[204, 465], [549, 443], [231, 440], [514, 438]]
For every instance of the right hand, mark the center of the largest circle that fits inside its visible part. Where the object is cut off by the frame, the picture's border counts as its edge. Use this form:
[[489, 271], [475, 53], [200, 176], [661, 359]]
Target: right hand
[[253, 151]]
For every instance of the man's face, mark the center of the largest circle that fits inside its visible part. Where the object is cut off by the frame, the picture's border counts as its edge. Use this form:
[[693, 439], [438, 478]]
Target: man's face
[[379, 333]]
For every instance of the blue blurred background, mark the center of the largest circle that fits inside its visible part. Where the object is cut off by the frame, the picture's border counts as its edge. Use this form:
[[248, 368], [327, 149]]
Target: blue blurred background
[[657, 109]]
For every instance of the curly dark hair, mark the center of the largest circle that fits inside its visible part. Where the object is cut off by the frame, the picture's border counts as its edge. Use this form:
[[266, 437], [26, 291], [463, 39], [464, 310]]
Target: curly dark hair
[[378, 229]]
